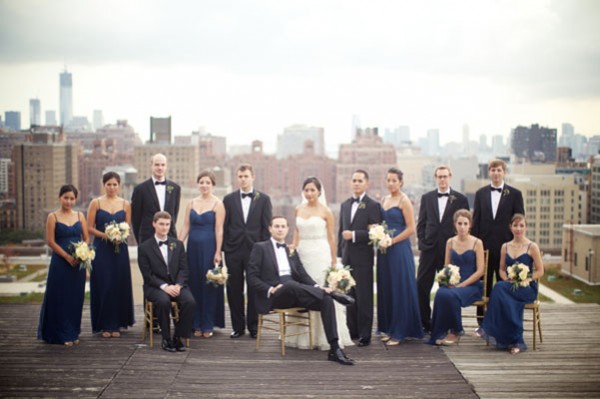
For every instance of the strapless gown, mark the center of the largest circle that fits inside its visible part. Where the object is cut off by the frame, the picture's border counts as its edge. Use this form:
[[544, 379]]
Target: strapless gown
[[315, 255], [503, 321], [60, 316], [447, 314], [111, 296]]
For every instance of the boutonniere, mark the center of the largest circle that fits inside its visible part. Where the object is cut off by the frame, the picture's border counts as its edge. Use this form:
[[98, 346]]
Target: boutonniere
[[172, 246], [362, 205], [452, 199], [292, 253], [505, 192], [256, 195], [170, 189]]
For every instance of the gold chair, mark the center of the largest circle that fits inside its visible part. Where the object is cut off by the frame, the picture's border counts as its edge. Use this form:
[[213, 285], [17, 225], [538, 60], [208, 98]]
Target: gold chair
[[536, 316], [285, 318], [484, 299], [149, 320]]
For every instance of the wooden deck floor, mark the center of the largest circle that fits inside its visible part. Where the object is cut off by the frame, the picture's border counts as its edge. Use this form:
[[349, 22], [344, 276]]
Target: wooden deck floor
[[566, 365]]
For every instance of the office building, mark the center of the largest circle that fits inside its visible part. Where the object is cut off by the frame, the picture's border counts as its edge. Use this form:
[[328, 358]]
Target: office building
[[35, 112], [66, 98], [293, 138], [433, 142], [98, 120], [580, 251], [51, 118], [595, 190], [160, 130], [534, 144], [12, 120]]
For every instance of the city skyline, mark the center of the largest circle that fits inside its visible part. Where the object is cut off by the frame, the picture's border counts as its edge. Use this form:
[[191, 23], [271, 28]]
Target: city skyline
[[247, 71]]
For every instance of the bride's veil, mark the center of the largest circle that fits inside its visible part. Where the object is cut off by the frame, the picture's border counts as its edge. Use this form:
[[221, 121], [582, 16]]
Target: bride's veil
[[322, 197]]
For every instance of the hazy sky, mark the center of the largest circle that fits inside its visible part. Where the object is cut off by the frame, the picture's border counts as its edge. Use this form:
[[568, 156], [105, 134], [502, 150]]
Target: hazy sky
[[247, 69]]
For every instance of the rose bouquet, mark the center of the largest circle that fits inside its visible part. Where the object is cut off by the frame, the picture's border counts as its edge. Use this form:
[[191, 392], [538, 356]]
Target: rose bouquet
[[380, 237], [449, 275], [339, 279], [519, 274], [84, 254], [117, 233], [217, 276]]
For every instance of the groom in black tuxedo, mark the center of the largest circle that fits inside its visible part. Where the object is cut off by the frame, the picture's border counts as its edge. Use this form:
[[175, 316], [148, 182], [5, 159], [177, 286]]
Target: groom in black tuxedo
[[247, 219], [163, 263], [434, 227], [356, 215], [493, 209], [153, 195], [280, 281]]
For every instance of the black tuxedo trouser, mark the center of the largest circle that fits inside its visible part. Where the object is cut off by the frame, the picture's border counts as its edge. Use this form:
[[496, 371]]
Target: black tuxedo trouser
[[237, 264], [294, 294], [162, 306], [430, 261], [359, 316]]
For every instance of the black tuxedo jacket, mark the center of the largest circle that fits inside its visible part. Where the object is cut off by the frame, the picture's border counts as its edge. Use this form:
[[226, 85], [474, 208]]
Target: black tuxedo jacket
[[359, 252], [144, 204], [432, 233], [239, 235], [263, 273], [154, 270], [495, 231]]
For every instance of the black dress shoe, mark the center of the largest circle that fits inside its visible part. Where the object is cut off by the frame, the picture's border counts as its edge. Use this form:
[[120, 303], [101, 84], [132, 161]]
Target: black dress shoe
[[342, 298], [253, 334], [364, 342], [338, 355], [167, 345], [236, 334], [178, 345]]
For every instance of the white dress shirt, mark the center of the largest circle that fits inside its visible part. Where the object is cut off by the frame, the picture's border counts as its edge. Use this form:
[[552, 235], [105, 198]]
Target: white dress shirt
[[161, 192], [496, 199], [246, 202], [442, 202], [165, 254]]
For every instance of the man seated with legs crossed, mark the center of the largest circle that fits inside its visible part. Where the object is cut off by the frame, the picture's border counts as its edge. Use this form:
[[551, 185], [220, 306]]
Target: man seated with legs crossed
[[280, 281], [163, 264]]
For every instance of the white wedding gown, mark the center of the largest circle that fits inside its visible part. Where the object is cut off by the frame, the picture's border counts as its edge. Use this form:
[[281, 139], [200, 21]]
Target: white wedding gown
[[315, 255]]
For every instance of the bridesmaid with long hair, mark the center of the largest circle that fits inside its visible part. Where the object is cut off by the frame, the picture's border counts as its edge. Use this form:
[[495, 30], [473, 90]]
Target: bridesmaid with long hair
[[60, 315], [203, 229], [111, 297]]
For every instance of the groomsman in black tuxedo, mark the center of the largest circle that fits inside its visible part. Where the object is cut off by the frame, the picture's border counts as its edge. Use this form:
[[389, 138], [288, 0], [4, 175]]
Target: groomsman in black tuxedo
[[356, 215], [493, 209], [279, 280], [163, 263], [247, 218], [153, 195], [434, 228]]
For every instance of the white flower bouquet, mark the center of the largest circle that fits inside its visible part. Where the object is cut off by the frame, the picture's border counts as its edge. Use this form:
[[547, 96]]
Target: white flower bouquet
[[449, 275], [519, 274], [117, 233], [339, 279], [380, 237], [217, 276], [84, 254]]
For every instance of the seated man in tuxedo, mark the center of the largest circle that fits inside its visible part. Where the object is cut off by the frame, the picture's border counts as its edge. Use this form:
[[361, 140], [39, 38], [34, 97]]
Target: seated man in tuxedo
[[163, 264], [280, 281]]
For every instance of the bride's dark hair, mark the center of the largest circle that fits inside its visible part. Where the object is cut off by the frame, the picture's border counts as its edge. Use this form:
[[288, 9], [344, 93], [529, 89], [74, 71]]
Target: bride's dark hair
[[314, 181]]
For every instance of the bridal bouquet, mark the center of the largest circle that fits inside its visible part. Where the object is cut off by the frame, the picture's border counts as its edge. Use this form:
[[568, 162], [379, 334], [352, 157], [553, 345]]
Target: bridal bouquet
[[84, 254], [518, 273], [449, 275], [217, 276], [380, 237], [117, 233], [339, 279]]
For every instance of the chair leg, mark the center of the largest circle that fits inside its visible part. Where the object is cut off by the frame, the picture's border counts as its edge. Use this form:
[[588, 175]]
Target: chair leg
[[282, 332], [534, 327], [310, 337], [259, 330], [150, 318], [539, 322]]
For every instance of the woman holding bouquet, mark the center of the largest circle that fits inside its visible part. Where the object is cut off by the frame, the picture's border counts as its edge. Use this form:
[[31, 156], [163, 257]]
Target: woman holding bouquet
[[314, 239], [203, 228], [466, 252], [60, 316], [398, 305], [503, 321], [111, 297]]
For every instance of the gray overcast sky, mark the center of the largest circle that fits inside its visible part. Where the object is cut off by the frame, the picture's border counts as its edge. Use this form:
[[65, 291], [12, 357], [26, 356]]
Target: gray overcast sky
[[247, 69]]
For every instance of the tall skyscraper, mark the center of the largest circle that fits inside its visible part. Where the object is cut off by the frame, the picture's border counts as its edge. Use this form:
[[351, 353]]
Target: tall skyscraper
[[535, 143], [12, 120], [98, 119], [66, 98], [433, 141], [293, 138], [160, 130], [35, 112], [51, 118], [567, 133]]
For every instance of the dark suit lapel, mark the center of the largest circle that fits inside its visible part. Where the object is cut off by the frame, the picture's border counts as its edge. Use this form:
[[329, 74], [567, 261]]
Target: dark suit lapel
[[253, 205], [503, 198], [436, 207], [168, 198], [237, 204], [157, 252], [152, 193], [273, 258]]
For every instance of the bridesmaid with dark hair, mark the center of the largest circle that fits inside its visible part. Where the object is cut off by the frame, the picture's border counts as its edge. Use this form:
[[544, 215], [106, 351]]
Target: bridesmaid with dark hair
[[111, 297], [60, 316], [203, 228]]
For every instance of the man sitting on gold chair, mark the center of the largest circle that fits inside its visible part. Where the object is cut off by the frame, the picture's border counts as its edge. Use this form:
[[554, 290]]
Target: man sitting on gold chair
[[280, 281]]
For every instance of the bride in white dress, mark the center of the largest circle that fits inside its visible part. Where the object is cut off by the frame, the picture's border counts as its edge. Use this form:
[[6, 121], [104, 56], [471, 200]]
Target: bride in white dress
[[314, 239]]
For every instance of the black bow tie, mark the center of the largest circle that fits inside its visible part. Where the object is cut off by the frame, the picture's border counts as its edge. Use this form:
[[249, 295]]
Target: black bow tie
[[160, 243], [244, 195], [355, 199], [280, 245], [443, 195], [157, 183], [496, 189]]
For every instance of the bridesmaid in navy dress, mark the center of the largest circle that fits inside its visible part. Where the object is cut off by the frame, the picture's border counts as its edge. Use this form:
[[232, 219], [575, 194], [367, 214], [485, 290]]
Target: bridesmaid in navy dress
[[60, 316], [203, 229], [466, 252], [396, 283], [111, 297], [503, 321]]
